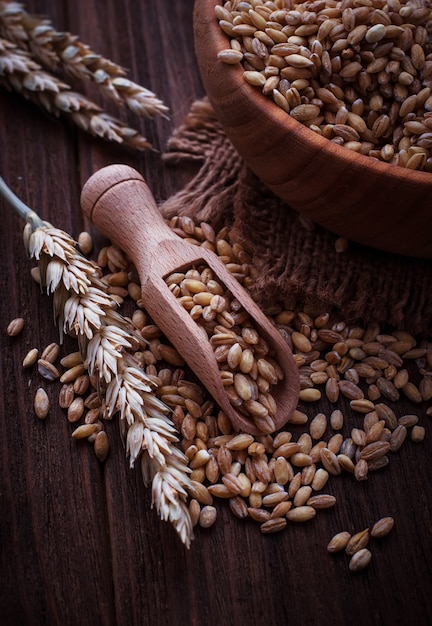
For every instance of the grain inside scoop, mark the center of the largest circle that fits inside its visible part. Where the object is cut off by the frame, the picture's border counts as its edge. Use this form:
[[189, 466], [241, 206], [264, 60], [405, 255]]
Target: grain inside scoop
[[258, 392]]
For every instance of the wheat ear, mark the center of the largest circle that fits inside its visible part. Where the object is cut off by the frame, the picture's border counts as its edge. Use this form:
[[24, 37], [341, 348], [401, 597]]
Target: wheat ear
[[85, 310], [20, 73], [62, 51]]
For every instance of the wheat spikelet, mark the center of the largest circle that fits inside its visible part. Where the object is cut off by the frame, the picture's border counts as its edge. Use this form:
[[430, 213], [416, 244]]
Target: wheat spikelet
[[86, 310], [62, 51], [20, 73], [167, 485]]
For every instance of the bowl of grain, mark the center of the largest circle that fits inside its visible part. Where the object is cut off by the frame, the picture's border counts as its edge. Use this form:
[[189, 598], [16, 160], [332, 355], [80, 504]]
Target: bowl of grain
[[329, 103]]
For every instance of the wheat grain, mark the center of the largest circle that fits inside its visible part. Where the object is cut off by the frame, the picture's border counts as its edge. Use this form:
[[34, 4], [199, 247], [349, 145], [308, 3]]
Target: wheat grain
[[73, 373], [361, 469], [101, 446], [378, 464], [301, 514], [15, 327], [408, 420], [47, 370], [382, 527], [339, 541], [360, 560], [375, 450], [302, 495], [75, 410], [194, 511], [66, 395], [330, 462], [273, 525], [417, 434], [41, 403], [357, 542], [318, 426], [85, 243], [84, 431], [51, 352], [346, 463], [207, 516], [321, 501], [30, 358], [398, 437]]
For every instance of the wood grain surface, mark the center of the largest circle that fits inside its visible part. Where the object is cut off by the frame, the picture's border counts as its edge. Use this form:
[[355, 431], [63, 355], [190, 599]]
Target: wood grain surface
[[79, 542]]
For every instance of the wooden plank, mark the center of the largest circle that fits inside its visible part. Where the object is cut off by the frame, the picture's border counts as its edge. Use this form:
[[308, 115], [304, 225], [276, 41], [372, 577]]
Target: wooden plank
[[79, 542]]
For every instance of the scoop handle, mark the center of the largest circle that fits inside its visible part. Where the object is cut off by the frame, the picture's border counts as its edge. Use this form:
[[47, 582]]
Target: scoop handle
[[117, 200]]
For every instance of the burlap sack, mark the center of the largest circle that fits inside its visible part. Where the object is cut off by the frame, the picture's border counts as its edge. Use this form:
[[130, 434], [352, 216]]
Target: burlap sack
[[295, 257]]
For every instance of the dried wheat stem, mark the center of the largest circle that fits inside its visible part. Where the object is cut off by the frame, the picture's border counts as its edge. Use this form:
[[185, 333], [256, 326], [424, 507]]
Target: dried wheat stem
[[18, 72], [63, 51], [22, 209]]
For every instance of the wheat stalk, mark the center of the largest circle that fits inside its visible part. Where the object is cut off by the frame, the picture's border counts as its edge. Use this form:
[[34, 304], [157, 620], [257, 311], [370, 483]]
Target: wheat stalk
[[62, 51], [20, 73], [85, 310]]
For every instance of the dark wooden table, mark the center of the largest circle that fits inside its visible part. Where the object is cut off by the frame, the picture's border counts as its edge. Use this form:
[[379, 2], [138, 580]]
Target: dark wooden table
[[79, 543]]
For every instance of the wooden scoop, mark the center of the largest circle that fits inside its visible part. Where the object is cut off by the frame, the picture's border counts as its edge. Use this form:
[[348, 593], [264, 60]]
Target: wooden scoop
[[119, 203]]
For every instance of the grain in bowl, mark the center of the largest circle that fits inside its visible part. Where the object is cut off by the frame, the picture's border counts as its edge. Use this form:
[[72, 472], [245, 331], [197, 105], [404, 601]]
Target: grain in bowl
[[357, 72]]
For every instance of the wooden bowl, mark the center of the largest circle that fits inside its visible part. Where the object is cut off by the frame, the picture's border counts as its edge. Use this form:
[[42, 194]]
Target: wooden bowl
[[358, 197]]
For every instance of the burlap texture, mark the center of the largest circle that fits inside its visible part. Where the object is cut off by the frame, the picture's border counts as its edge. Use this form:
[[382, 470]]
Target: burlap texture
[[294, 257]]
